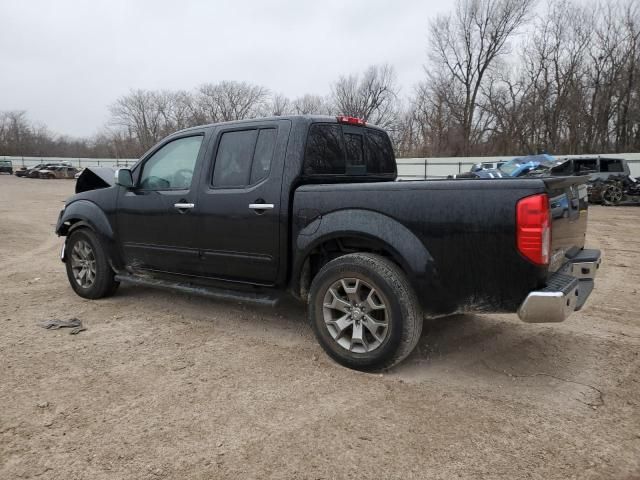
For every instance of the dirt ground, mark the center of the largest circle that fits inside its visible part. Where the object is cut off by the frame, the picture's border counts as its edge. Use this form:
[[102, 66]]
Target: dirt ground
[[165, 385]]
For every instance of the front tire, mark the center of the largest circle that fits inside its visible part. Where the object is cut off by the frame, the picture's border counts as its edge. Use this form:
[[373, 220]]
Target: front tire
[[364, 312], [88, 269]]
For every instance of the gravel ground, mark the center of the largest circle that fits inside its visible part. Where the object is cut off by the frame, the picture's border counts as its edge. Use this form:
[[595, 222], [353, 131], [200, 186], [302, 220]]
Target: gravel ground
[[165, 385]]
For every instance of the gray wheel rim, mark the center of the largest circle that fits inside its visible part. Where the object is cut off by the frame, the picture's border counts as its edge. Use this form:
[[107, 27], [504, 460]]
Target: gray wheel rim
[[83, 264], [613, 194], [356, 315]]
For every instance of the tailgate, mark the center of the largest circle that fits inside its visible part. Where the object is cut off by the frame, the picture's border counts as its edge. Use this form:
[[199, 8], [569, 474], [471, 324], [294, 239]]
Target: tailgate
[[568, 203]]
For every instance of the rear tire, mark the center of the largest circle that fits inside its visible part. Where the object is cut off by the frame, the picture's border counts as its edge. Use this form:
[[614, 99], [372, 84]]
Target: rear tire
[[364, 312], [88, 269]]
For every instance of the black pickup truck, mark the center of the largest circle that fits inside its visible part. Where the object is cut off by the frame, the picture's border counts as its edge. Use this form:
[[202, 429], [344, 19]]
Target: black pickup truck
[[309, 206]]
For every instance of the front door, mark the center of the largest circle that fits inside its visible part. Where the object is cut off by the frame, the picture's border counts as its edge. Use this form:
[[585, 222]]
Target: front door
[[239, 203], [157, 219]]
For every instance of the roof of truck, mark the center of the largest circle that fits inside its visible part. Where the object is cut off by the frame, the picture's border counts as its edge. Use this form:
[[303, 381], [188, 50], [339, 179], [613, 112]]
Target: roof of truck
[[292, 118]]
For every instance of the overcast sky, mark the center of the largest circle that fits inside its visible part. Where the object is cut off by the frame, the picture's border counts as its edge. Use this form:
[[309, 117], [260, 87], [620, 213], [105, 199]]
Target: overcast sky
[[66, 61]]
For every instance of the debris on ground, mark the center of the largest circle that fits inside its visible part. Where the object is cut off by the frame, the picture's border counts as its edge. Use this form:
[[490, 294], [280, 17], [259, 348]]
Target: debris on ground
[[74, 323], [614, 190]]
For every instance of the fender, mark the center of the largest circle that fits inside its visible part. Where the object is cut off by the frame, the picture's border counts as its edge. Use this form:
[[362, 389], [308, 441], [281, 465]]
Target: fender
[[84, 213], [402, 244], [87, 212]]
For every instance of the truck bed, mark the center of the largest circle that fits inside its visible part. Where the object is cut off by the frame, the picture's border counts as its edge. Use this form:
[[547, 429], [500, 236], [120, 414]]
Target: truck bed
[[468, 228]]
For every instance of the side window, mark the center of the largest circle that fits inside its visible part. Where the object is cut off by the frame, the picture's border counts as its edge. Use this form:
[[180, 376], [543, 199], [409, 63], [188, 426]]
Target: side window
[[265, 146], [244, 157], [171, 167], [233, 160], [585, 165], [324, 154], [611, 166]]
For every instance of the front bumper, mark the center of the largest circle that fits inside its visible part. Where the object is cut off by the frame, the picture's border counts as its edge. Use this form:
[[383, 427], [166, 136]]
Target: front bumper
[[566, 292]]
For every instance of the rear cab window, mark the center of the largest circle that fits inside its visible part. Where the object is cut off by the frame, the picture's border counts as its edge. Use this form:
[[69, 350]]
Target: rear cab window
[[344, 151]]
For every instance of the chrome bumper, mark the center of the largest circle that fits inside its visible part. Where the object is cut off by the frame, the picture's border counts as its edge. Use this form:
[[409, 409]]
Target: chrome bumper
[[566, 291]]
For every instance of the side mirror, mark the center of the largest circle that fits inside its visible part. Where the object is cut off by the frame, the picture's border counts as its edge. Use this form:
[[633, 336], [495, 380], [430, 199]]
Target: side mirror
[[124, 178]]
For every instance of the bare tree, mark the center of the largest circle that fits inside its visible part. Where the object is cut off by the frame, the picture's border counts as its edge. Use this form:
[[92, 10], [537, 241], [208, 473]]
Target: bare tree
[[279, 105], [311, 104], [15, 132], [628, 105], [373, 96], [140, 113], [467, 43], [230, 100]]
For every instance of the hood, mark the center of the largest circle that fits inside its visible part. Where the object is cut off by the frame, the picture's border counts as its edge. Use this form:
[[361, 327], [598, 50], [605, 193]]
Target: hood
[[93, 178]]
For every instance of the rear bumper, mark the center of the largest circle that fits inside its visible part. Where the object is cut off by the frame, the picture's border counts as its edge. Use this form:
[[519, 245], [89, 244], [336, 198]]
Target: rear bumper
[[566, 291]]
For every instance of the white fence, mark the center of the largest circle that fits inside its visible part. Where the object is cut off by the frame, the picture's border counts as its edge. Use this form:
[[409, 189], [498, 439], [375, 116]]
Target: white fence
[[76, 162], [440, 167], [437, 167]]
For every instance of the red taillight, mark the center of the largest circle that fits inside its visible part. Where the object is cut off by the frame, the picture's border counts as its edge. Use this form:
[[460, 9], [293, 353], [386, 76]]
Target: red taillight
[[351, 120], [533, 227]]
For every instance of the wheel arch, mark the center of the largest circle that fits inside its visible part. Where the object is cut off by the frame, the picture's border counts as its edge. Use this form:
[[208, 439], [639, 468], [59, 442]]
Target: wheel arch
[[83, 213], [357, 230], [86, 214]]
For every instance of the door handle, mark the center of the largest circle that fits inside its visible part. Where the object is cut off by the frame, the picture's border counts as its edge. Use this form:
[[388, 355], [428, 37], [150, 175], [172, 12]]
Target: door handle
[[184, 206], [261, 206]]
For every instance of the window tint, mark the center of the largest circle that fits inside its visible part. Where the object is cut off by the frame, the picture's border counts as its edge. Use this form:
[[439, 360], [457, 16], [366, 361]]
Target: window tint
[[355, 154], [172, 166], [586, 165], [329, 152], [233, 161], [324, 154], [563, 169], [262, 157], [611, 166], [380, 158]]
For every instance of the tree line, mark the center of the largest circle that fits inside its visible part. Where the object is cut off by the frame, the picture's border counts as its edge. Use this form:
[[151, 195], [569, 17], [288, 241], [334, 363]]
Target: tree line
[[499, 79]]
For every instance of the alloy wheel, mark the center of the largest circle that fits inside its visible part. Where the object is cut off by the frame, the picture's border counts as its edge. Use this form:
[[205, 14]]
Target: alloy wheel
[[356, 315], [83, 264]]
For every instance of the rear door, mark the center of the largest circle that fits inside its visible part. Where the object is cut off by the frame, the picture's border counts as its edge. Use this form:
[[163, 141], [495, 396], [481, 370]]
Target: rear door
[[239, 202]]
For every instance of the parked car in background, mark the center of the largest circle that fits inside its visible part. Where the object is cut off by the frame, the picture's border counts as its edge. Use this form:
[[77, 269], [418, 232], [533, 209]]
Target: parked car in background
[[487, 166], [31, 172], [34, 172], [21, 172], [595, 167], [57, 171], [515, 167], [6, 167]]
